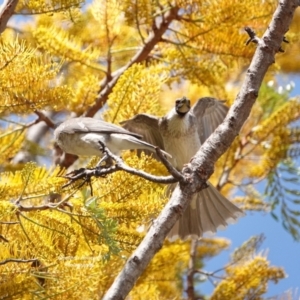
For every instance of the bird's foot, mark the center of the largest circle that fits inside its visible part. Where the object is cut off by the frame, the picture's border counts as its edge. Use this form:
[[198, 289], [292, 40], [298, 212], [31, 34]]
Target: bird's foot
[[73, 176], [86, 175]]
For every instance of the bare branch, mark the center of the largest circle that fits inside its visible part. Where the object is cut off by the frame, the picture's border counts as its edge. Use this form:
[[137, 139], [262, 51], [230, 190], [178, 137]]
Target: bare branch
[[153, 38], [53, 201], [87, 174], [173, 171], [33, 208], [16, 260], [9, 222], [202, 165], [3, 238], [46, 119], [6, 11], [252, 36]]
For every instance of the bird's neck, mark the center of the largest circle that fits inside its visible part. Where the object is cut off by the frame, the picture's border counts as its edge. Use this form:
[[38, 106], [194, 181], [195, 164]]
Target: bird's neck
[[177, 123]]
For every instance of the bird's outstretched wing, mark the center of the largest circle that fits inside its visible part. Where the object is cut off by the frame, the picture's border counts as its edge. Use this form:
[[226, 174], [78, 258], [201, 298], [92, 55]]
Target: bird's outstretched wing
[[147, 126], [209, 112]]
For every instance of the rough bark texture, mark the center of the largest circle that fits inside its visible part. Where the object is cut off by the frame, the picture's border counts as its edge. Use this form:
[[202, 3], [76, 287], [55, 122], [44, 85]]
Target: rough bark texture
[[6, 11], [201, 166]]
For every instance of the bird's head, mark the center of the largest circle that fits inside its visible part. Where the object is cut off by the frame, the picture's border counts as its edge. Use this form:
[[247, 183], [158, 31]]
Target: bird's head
[[182, 106]]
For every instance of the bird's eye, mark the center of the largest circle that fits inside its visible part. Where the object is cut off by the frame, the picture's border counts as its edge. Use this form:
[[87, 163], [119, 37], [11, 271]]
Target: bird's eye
[[177, 101]]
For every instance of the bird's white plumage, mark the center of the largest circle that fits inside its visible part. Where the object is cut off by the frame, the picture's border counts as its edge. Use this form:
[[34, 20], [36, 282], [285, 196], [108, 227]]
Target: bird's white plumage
[[81, 136]]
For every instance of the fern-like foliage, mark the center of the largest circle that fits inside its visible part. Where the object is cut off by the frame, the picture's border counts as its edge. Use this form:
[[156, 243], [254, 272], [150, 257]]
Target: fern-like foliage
[[11, 141], [129, 99], [25, 91], [116, 59], [28, 7], [282, 191], [239, 282], [60, 43]]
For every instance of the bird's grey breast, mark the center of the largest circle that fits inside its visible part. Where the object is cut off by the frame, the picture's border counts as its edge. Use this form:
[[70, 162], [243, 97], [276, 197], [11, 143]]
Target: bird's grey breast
[[180, 137]]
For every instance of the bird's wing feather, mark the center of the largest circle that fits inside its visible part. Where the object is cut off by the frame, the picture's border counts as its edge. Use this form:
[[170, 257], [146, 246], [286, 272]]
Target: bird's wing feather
[[210, 113], [147, 126], [82, 125]]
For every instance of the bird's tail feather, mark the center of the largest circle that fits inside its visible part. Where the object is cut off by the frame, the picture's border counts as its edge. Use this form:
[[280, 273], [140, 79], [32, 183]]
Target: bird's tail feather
[[211, 211]]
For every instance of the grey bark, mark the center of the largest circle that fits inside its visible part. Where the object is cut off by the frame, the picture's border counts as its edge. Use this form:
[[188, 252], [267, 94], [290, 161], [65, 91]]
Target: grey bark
[[201, 166], [6, 11]]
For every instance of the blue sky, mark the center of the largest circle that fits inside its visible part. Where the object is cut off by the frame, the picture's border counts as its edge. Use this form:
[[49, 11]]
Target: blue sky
[[282, 250], [280, 247]]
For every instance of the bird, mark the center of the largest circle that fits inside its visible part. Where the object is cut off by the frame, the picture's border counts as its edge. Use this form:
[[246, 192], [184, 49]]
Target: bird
[[180, 133], [81, 136]]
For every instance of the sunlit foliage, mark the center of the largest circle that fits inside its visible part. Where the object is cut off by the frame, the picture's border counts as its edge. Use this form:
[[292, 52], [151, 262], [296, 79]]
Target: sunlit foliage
[[114, 59]]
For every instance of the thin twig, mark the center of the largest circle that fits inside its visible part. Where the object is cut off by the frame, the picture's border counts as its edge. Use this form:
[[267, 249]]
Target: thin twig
[[87, 174], [3, 238], [252, 36], [43, 117], [152, 40], [173, 171], [9, 223], [37, 207], [16, 260]]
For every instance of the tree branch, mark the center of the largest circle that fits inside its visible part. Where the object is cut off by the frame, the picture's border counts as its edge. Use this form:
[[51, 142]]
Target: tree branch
[[99, 171], [151, 41], [6, 11], [47, 119], [201, 166], [16, 260]]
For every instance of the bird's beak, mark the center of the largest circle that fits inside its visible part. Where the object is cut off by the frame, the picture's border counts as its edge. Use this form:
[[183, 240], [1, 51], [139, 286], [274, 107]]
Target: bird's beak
[[183, 106]]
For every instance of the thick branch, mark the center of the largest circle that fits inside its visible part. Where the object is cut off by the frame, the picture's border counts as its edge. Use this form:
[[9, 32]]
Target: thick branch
[[264, 56], [201, 166], [6, 11], [154, 37]]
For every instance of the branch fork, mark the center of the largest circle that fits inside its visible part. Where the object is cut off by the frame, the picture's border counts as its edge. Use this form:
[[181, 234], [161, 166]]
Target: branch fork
[[115, 163], [253, 38]]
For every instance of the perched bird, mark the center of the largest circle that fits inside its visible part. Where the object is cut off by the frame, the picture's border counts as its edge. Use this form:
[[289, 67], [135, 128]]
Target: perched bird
[[181, 133], [81, 136]]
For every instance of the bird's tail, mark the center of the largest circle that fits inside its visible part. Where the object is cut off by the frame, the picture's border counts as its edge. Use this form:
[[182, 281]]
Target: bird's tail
[[208, 212]]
